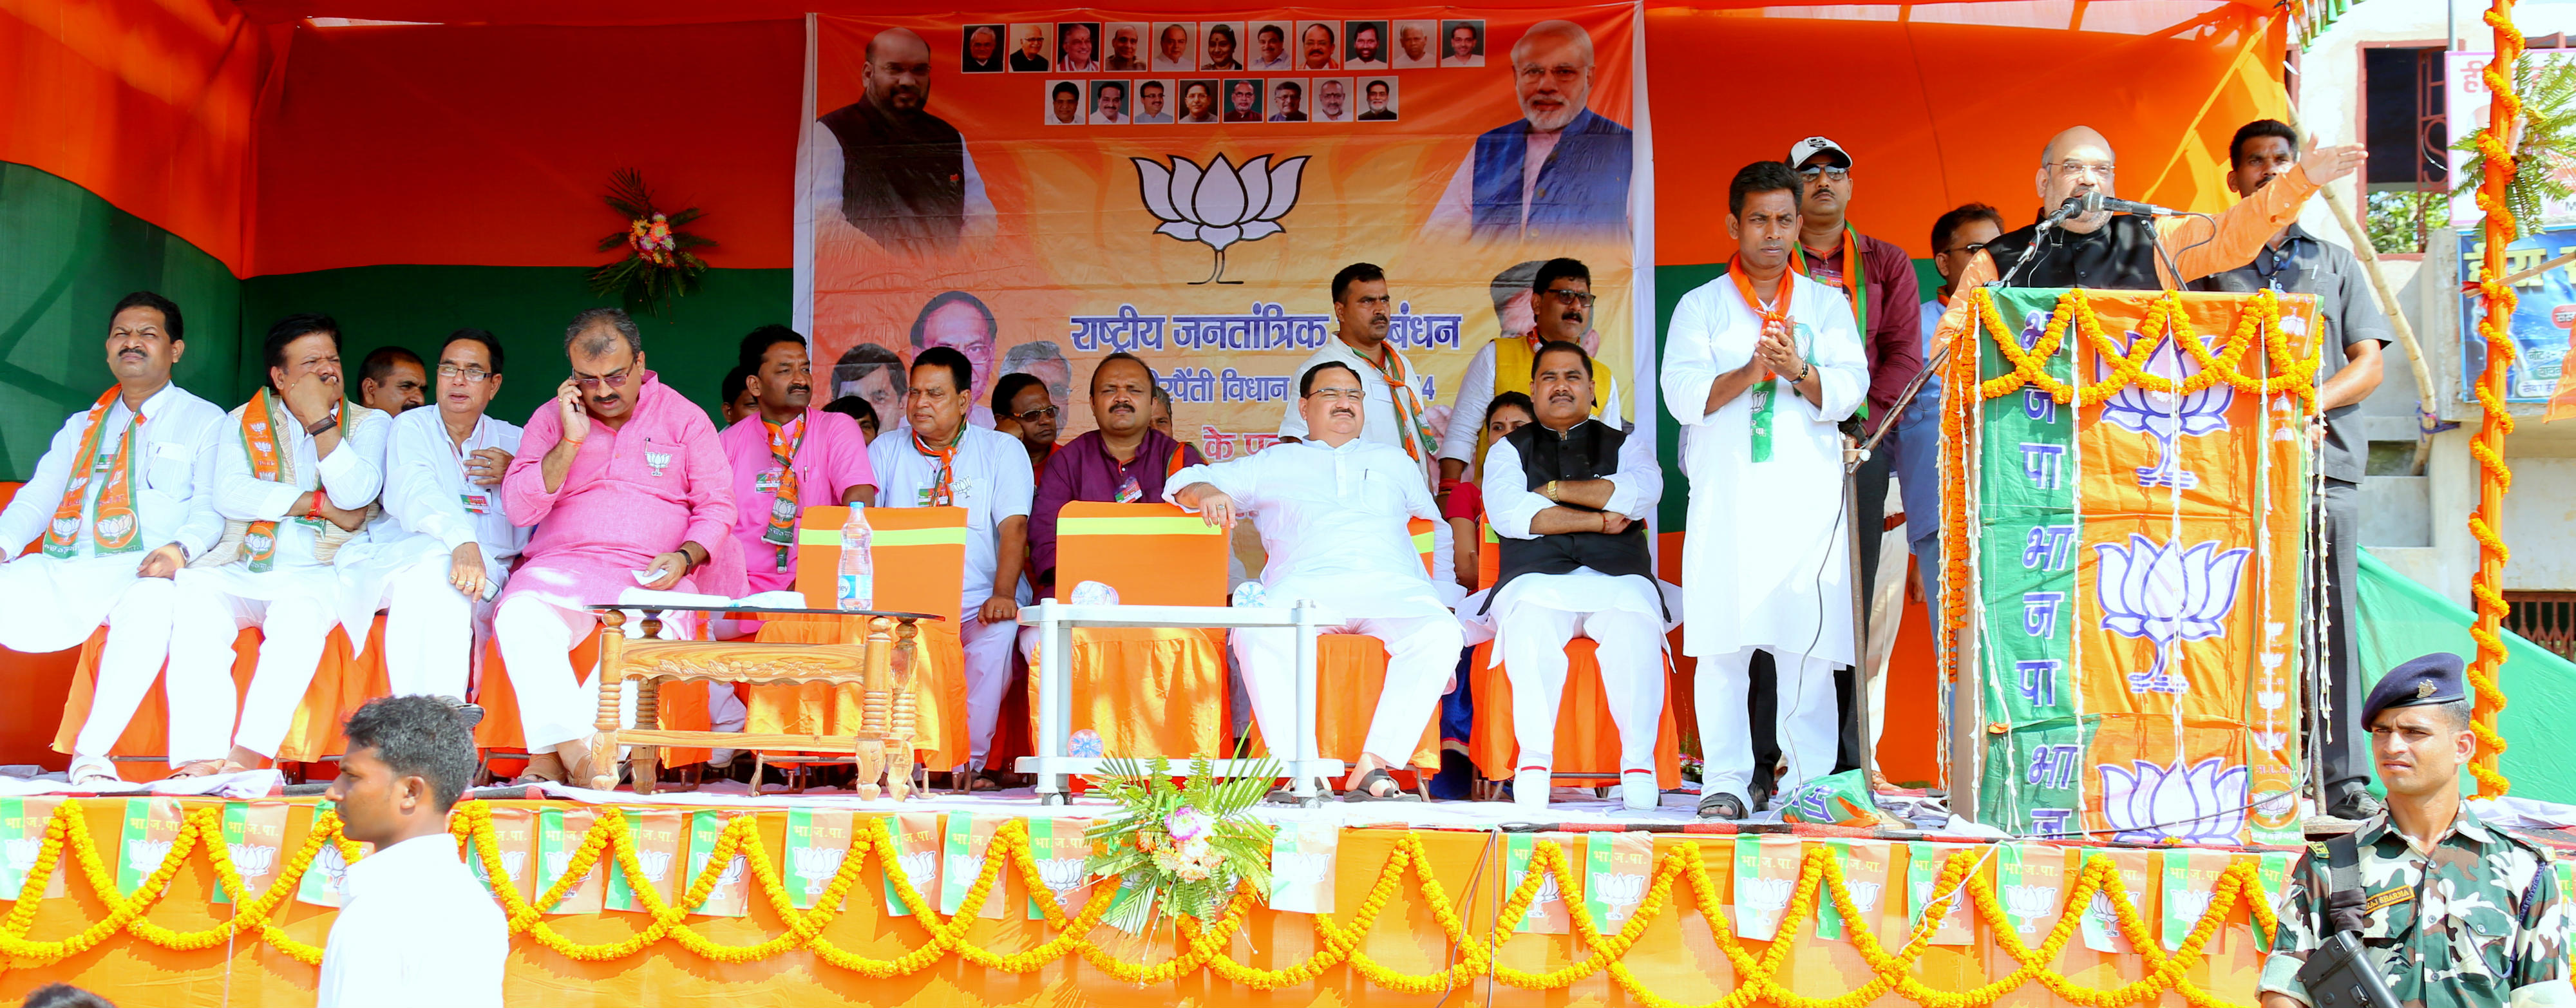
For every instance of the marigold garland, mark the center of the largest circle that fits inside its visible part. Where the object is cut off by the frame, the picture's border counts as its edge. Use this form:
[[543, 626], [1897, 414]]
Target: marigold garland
[[1203, 945], [2258, 323], [2495, 319]]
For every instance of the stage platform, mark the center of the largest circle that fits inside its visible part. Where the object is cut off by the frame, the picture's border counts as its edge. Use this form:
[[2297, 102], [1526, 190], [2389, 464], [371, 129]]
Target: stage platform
[[1409, 900]]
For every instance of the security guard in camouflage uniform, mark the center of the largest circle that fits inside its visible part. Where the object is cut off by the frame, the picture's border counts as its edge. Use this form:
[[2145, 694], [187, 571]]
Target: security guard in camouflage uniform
[[2456, 912]]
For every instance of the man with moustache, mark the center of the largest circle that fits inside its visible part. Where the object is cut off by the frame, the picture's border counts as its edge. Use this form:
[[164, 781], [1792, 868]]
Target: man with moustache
[[1272, 43], [2119, 251], [1220, 48], [2296, 262], [1031, 56], [1286, 98], [1198, 101], [1759, 367], [1172, 49], [890, 168], [1318, 39], [1569, 496], [871, 372], [1877, 278], [1392, 412], [1073, 42], [1378, 92], [787, 457], [1122, 51], [443, 549], [1412, 47], [626, 485], [984, 49], [943, 462], [1123, 461], [1368, 46], [1246, 103], [1558, 301], [1581, 186], [1021, 408], [118, 506], [1333, 512], [1149, 104], [391, 380], [296, 484], [1066, 98], [1109, 104], [1332, 100]]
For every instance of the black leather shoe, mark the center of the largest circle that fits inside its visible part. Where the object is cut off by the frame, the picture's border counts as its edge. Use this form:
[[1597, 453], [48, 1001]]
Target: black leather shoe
[[2355, 802]]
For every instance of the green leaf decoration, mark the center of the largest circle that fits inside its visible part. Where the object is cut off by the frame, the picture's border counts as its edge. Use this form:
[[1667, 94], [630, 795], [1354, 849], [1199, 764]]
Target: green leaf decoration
[[659, 263]]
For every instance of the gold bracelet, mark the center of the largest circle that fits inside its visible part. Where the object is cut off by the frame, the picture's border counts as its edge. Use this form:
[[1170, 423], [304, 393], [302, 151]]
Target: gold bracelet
[[1548, 490]]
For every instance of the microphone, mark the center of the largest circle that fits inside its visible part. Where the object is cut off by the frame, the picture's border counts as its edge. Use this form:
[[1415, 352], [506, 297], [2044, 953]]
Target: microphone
[[2075, 206], [2100, 202]]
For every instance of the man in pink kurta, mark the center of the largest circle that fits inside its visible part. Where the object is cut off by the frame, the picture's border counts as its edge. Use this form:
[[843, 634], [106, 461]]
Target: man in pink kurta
[[628, 487], [829, 454]]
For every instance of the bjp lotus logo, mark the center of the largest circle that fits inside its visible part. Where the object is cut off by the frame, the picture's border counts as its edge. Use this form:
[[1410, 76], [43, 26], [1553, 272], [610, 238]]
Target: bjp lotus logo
[[816, 865], [1221, 204], [2026, 904], [1061, 874], [2151, 804], [2168, 417], [2166, 595]]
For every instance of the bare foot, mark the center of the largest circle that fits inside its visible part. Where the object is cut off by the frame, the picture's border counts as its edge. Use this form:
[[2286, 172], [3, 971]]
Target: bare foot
[[201, 768], [544, 766]]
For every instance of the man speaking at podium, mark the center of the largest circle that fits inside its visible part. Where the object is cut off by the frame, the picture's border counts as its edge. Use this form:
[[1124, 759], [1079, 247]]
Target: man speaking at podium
[[2117, 249]]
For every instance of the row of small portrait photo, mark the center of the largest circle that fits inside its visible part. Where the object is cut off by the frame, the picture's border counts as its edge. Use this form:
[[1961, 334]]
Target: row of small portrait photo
[[1068, 47], [1152, 102]]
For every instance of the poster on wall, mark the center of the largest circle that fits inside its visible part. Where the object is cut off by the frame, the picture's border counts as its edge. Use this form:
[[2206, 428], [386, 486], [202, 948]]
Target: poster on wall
[[2544, 314], [1041, 190]]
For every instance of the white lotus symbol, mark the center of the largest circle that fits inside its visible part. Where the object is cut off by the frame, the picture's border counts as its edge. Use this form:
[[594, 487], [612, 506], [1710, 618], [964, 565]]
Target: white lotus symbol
[[2166, 416], [1617, 891], [2154, 803], [656, 865], [2028, 903], [2166, 594], [1864, 895], [919, 865], [1061, 874], [817, 865], [1221, 204]]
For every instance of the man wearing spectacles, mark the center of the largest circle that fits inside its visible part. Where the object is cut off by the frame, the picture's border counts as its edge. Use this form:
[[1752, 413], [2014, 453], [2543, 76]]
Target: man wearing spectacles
[[787, 456], [1558, 302], [1333, 511], [441, 554], [1957, 236], [2130, 252], [2296, 262], [626, 486], [1021, 409], [1580, 188]]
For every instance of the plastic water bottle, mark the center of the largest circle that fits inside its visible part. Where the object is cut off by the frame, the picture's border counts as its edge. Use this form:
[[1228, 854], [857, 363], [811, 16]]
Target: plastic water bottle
[[858, 588]]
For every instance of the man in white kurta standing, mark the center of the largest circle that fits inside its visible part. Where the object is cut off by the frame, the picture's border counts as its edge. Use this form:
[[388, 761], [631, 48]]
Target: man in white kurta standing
[[1569, 496], [944, 461], [1393, 415], [1759, 367], [294, 473], [1333, 512], [121, 478], [415, 928], [437, 558]]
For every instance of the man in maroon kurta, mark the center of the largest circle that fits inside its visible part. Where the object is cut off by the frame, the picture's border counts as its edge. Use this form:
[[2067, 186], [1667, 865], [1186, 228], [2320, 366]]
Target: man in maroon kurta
[[1124, 461]]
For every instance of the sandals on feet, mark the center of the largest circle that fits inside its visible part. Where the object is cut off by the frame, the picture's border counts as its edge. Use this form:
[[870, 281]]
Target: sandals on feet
[[204, 768], [1721, 805], [1364, 789], [94, 774]]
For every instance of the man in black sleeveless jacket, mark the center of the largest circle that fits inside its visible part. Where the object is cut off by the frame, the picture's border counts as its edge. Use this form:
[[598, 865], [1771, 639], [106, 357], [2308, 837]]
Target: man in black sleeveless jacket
[[889, 167], [1568, 496]]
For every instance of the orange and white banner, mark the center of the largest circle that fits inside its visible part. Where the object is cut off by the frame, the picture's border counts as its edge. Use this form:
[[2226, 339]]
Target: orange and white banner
[[1040, 190]]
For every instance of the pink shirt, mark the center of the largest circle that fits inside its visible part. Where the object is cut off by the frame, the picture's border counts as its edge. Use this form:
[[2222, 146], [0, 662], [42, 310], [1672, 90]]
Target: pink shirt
[[832, 458], [634, 492]]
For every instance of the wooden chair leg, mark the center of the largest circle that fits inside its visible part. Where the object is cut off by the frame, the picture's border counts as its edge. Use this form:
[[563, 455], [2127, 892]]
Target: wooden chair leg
[[648, 714]]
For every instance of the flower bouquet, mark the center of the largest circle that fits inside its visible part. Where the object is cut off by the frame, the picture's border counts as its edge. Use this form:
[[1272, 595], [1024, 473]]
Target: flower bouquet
[[1181, 848], [658, 263]]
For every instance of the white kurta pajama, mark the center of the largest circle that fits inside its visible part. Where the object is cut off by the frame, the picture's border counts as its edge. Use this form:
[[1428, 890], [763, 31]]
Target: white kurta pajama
[[1535, 615], [401, 564], [295, 603], [1334, 524], [993, 482], [416, 930], [1764, 560], [56, 602]]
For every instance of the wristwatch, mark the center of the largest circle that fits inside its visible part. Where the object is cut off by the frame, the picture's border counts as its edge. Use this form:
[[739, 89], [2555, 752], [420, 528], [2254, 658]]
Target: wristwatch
[[317, 427]]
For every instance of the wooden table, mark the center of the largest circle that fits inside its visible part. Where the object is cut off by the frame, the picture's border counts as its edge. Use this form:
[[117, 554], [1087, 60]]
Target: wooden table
[[881, 665]]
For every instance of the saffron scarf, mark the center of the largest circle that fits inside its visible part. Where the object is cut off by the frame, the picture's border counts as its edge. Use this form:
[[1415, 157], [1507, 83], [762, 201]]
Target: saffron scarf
[[113, 527], [942, 492], [1766, 393], [783, 507]]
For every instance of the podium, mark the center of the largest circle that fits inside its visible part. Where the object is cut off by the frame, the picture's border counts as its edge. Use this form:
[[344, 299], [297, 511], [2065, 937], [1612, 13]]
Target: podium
[[2126, 478]]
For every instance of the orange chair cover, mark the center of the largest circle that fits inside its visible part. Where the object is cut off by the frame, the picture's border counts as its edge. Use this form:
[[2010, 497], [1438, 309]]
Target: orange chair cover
[[920, 562], [342, 682], [1147, 692], [1586, 738]]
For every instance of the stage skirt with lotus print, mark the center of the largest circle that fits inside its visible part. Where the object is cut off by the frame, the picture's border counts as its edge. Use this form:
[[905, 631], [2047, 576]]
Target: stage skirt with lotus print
[[2137, 557]]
